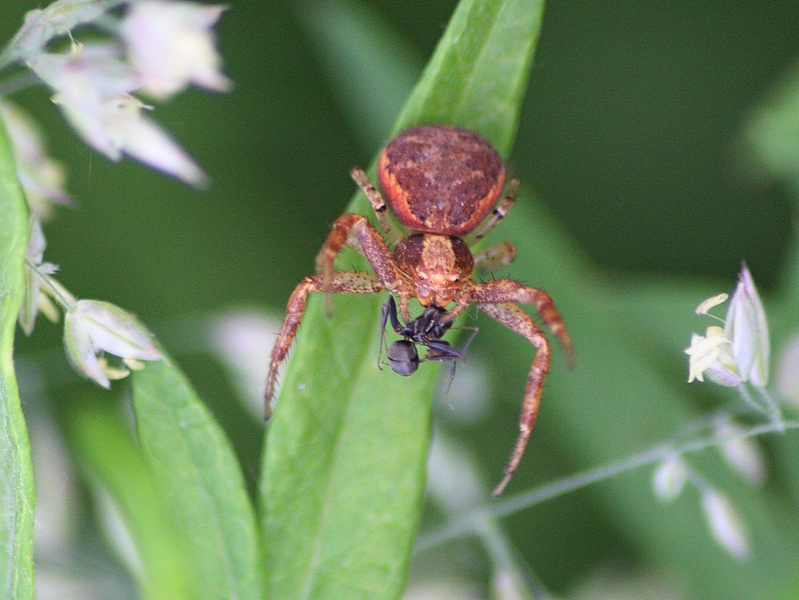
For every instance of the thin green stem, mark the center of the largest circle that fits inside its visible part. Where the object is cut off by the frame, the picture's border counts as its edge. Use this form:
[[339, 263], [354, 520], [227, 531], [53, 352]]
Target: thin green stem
[[473, 522]]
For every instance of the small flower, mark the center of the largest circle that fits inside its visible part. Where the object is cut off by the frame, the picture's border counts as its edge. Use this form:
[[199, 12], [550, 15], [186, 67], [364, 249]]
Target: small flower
[[93, 89], [41, 177], [726, 524], [712, 353], [740, 351], [746, 326], [741, 453], [668, 480], [92, 328], [172, 45]]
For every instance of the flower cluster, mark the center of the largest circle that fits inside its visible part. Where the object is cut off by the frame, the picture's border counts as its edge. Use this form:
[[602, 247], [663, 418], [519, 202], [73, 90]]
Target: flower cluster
[[738, 352], [156, 48], [152, 47], [103, 341]]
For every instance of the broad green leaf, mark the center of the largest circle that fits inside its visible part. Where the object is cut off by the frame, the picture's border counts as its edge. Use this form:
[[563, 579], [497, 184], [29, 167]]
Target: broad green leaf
[[344, 468], [198, 473], [16, 471], [116, 468]]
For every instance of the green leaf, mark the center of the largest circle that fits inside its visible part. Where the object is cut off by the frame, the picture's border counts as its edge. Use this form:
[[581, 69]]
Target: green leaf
[[344, 468], [16, 471], [197, 470], [117, 470]]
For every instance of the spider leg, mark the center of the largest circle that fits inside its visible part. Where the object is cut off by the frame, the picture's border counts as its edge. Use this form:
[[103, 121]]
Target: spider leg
[[390, 232], [514, 318], [495, 257], [364, 237], [493, 218], [342, 282], [499, 291]]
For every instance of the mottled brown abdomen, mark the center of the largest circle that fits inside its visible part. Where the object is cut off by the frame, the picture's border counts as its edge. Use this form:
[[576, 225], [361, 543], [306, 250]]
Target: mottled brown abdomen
[[440, 179]]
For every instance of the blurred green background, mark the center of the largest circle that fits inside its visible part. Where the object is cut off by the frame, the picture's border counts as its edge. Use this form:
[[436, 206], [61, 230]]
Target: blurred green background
[[631, 136]]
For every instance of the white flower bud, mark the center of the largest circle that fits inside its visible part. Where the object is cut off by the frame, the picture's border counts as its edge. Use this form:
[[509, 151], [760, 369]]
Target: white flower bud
[[787, 383], [116, 331], [507, 584], [747, 328], [80, 350], [668, 480], [726, 524], [92, 327], [742, 453]]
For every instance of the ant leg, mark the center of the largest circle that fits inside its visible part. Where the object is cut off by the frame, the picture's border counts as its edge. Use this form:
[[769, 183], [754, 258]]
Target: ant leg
[[390, 232], [500, 291], [495, 257], [514, 318], [387, 311], [493, 218], [343, 282], [364, 237]]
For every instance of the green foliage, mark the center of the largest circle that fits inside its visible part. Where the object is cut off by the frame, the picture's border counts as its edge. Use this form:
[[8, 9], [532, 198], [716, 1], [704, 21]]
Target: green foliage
[[16, 473], [195, 466], [339, 495], [120, 475]]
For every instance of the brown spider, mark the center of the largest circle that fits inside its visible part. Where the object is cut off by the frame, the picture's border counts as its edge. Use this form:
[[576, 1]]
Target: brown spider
[[441, 182]]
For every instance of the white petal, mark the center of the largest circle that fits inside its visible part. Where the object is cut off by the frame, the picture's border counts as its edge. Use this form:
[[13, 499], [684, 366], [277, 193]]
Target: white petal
[[85, 80], [145, 141], [172, 45], [747, 328], [116, 331], [81, 351]]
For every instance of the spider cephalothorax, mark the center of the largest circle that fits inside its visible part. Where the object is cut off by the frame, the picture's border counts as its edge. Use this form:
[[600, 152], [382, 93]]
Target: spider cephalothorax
[[441, 183]]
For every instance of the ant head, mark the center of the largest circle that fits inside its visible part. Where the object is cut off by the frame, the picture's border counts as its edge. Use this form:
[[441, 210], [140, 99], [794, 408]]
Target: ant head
[[403, 357]]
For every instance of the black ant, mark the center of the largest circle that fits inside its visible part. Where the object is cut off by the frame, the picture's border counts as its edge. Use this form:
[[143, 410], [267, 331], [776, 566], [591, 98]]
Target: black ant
[[427, 330]]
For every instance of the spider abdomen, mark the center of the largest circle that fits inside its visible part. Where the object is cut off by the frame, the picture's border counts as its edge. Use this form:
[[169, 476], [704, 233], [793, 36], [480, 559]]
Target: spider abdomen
[[440, 179]]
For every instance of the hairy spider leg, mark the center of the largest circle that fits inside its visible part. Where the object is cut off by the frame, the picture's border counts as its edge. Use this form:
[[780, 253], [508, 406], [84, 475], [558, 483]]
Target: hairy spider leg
[[516, 319], [493, 218], [500, 291], [390, 232], [354, 230], [343, 282], [495, 257]]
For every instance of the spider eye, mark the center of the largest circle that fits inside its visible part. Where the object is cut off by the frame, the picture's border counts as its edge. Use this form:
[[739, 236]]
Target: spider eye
[[421, 275]]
